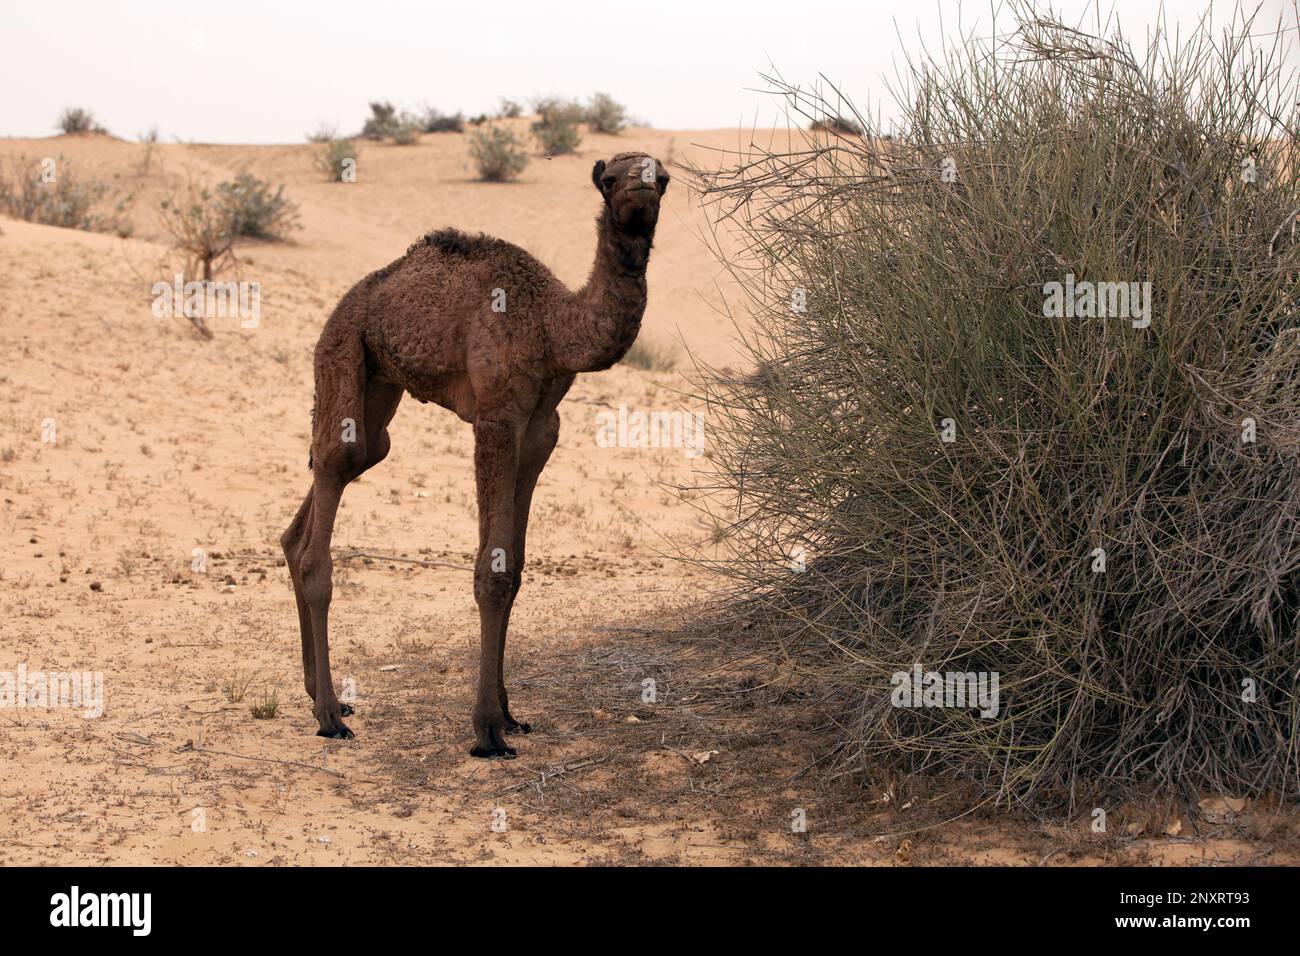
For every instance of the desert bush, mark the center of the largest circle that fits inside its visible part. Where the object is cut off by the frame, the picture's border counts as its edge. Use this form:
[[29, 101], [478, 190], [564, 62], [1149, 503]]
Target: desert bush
[[325, 133], [386, 122], [605, 114], [65, 200], [840, 125], [407, 132], [651, 356], [256, 209], [333, 155], [497, 154], [76, 120], [933, 466], [383, 121], [556, 127], [200, 226], [432, 121], [509, 109]]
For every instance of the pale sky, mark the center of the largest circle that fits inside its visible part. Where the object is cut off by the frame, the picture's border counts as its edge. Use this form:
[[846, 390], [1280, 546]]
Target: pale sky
[[264, 72]]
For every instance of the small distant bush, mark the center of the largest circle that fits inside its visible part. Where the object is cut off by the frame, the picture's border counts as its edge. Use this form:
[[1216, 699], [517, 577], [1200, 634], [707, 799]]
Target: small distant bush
[[199, 225], [383, 121], [478, 120], [556, 127], [432, 121], [497, 153], [324, 134], [605, 114], [76, 120], [407, 132], [66, 200], [386, 122], [256, 210], [840, 125], [651, 356], [509, 109], [332, 156]]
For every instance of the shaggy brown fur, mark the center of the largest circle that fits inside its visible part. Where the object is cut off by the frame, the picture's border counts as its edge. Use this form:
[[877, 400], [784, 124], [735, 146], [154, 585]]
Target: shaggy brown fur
[[482, 328]]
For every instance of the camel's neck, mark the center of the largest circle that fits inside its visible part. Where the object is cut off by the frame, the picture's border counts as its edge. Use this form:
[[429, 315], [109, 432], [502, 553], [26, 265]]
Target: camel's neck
[[600, 321]]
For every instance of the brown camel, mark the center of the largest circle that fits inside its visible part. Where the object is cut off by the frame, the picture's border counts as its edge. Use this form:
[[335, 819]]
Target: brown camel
[[480, 327]]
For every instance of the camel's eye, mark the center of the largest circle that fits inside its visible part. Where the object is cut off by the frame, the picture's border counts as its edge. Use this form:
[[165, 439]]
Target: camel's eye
[[607, 181]]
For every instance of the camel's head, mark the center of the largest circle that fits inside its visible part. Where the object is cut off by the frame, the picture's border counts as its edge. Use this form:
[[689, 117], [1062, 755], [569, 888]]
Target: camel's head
[[632, 184]]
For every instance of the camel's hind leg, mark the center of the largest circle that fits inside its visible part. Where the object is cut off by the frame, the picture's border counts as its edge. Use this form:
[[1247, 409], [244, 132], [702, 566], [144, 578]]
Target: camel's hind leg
[[352, 415], [539, 441], [496, 460], [293, 541]]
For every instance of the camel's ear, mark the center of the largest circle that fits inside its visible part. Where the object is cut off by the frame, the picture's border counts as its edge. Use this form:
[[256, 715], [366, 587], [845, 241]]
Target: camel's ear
[[596, 172]]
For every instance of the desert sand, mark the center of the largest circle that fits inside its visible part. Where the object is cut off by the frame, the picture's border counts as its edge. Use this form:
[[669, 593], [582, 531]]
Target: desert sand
[[164, 443]]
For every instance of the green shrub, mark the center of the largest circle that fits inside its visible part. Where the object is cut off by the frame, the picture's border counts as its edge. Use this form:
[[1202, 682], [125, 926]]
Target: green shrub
[[931, 466], [66, 200], [407, 132], [840, 125], [268, 706], [324, 134], [556, 127], [651, 356], [256, 210], [509, 109], [497, 154], [199, 225], [383, 121], [605, 115], [332, 159], [431, 121], [76, 120]]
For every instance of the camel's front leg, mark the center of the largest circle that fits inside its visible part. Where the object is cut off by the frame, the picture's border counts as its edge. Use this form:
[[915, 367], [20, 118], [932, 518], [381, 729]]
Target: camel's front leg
[[496, 464]]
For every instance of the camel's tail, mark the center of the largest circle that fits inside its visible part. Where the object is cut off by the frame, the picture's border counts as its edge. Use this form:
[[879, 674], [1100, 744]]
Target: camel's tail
[[313, 431]]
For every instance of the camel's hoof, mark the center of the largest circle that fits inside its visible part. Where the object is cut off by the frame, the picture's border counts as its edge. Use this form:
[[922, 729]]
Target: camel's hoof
[[339, 733], [515, 727], [493, 753], [347, 710]]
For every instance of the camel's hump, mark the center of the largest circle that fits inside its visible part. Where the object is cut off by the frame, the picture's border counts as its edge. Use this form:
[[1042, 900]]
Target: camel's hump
[[456, 243]]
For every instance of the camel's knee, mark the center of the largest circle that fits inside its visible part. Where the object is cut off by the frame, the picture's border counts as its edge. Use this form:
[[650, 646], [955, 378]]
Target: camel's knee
[[345, 457], [316, 572], [494, 588]]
